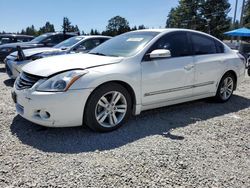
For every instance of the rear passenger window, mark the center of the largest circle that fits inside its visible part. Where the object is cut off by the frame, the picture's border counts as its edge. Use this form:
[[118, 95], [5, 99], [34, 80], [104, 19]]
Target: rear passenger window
[[54, 39], [22, 40], [219, 47], [97, 42], [203, 45], [104, 40], [90, 44], [57, 39]]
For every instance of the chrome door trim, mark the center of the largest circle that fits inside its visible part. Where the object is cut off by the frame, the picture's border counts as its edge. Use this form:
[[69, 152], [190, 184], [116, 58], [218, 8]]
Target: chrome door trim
[[178, 89]]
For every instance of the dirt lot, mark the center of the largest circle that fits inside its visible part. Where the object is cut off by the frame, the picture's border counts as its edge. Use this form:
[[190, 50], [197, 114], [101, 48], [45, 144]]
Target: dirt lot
[[198, 144]]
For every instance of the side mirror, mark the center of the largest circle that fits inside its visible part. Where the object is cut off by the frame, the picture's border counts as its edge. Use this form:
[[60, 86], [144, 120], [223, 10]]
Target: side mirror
[[162, 53]]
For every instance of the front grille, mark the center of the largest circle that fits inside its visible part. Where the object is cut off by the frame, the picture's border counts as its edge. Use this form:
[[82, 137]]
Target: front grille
[[26, 81]]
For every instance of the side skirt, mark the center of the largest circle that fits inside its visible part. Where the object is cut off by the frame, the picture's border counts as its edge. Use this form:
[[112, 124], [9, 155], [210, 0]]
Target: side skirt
[[176, 101]]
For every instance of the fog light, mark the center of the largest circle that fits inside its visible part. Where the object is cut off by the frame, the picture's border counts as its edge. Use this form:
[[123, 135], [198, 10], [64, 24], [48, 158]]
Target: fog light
[[44, 114]]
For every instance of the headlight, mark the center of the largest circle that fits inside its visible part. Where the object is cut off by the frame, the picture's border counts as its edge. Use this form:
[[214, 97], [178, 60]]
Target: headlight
[[61, 82], [6, 50]]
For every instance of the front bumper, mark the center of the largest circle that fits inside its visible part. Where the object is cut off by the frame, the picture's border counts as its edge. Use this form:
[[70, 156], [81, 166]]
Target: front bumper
[[52, 109]]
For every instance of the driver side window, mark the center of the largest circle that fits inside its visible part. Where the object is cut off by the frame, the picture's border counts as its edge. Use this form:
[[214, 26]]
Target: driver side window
[[53, 40], [88, 45], [177, 43]]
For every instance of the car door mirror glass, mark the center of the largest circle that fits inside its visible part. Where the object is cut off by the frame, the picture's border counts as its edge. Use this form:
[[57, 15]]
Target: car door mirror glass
[[160, 53]]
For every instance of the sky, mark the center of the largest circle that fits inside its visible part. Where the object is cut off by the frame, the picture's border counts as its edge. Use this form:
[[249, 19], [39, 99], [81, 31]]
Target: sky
[[16, 15]]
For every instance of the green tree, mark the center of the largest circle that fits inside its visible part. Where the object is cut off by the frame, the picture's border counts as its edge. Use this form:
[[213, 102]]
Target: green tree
[[48, 27], [185, 15], [66, 27], [138, 28], [31, 31], [246, 17], [141, 27], [134, 28], [117, 25], [94, 32], [75, 29], [23, 32], [209, 16], [237, 24], [215, 13]]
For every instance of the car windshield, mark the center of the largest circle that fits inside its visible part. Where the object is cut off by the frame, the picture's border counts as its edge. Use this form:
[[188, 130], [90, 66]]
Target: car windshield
[[69, 42], [125, 45], [39, 38]]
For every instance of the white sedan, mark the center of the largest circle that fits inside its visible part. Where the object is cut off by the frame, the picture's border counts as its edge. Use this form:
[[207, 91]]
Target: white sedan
[[126, 75]]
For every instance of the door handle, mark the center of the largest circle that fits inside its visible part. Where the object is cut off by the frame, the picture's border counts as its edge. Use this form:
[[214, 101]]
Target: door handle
[[189, 67]]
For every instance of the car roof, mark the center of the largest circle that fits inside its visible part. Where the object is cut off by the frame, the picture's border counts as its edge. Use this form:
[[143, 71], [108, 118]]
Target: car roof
[[167, 30], [66, 33], [15, 35], [95, 36]]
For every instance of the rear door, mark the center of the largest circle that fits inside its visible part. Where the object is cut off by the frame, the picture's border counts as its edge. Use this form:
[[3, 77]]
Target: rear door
[[208, 63]]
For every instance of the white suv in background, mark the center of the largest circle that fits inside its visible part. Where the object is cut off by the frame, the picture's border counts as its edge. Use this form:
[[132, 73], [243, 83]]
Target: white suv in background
[[130, 73], [83, 44]]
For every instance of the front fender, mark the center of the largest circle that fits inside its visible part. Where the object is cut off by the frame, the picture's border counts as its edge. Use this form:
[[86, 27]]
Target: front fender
[[96, 77]]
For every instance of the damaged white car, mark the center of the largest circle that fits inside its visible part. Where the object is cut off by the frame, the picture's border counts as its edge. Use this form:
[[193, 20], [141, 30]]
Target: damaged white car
[[126, 75]]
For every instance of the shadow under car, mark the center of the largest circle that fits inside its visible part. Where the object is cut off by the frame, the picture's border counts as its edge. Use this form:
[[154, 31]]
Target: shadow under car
[[153, 122]]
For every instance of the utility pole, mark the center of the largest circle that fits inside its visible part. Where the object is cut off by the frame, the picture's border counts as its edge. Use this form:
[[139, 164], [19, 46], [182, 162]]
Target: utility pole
[[242, 14], [241, 22], [234, 21], [235, 12]]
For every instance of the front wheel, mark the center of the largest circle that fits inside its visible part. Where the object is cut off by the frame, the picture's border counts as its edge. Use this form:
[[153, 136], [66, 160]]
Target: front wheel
[[226, 88], [108, 107]]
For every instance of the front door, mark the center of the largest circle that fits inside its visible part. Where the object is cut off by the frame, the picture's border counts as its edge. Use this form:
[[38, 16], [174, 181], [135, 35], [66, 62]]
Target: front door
[[170, 78]]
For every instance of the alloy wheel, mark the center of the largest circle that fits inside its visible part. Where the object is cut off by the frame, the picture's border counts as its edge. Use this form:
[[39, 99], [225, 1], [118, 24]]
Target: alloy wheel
[[111, 109], [226, 89]]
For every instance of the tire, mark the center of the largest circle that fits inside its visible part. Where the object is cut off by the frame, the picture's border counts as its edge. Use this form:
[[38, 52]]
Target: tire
[[108, 108], [226, 88]]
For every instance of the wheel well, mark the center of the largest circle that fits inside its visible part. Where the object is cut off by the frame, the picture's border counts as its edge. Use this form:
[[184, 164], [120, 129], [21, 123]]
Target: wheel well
[[235, 76], [126, 86]]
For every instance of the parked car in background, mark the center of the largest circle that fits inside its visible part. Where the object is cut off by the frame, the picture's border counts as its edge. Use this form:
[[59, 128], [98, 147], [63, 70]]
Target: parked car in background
[[45, 40], [130, 73], [84, 44], [13, 38]]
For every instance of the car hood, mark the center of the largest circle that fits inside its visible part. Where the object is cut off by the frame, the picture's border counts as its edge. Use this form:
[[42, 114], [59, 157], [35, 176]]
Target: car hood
[[52, 65], [22, 44], [36, 51]]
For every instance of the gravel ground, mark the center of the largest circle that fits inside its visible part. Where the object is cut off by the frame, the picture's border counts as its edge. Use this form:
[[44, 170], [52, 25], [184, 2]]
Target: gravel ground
[[197, 144]]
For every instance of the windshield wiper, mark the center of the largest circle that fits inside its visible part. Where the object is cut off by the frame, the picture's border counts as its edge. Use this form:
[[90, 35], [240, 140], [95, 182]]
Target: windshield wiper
[[96, 53]]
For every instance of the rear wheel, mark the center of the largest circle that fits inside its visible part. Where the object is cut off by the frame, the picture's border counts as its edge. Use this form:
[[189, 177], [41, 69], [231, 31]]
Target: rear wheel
[[108, 107], [226, 88]]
